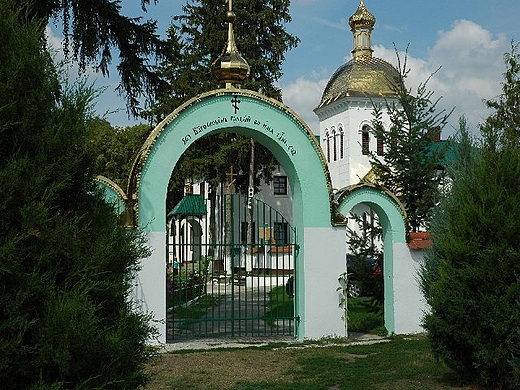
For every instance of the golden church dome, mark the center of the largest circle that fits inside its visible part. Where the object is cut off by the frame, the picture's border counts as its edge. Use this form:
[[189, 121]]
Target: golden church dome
[[362, 17], [364, 75], [230, 68]]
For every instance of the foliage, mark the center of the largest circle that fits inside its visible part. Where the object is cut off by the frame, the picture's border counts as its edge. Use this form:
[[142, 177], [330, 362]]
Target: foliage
[[343, 295], [471, 278], [364, 244], [505, 121], [183, 289], [187, 284], [92, 28], [365, 238], [66, 265], [197, 37], [114, 149], [210, 158], [409, 165]]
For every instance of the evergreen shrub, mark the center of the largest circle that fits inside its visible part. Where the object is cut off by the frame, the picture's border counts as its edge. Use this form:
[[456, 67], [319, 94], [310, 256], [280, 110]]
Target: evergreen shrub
[[66, 266], [471, 278]]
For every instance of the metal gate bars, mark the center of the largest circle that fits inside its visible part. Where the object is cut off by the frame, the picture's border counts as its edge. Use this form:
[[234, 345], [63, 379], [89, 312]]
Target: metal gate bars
[[231, 268]]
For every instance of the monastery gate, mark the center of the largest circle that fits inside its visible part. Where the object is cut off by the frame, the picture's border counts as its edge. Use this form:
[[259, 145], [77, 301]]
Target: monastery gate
[[319, 247], [233, 274]]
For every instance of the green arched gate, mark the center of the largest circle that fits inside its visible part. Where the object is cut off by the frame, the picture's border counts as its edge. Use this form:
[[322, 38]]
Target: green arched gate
[[231, 269]]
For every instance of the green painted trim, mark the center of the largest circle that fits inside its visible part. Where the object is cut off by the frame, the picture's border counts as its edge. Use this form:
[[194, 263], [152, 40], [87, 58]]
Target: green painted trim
[[392, 218]]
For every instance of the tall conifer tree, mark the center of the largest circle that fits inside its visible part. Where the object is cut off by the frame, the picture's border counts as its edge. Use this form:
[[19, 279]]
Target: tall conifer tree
[[93, 29], [196, 39], [66, 266], [410, 160], [471, 278]]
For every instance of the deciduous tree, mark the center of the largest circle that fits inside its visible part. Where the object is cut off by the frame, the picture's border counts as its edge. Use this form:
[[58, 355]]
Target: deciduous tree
[[115, 148]]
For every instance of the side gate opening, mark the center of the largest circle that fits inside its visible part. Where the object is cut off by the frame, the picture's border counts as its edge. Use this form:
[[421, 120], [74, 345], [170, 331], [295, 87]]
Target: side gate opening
[[230, 269]]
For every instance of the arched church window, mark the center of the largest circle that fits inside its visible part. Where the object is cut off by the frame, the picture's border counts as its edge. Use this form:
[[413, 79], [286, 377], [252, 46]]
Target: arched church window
[[334, 145], [341, 143], [380, 147], [393, 138], [327, 145], [365, 139]]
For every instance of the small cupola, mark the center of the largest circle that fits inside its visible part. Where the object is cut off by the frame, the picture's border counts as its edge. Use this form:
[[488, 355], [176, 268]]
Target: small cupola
[[362, 23], [230, 68]]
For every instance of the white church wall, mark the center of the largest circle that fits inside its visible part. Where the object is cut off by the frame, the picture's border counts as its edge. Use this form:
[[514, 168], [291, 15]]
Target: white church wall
[[281, 202], [149, 289], [350, 114], [325, 254], [409, 304]]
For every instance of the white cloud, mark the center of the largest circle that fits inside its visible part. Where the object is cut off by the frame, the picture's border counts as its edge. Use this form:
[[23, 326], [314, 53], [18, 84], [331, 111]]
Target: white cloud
[[471, 68], [338, 25], [53, 40], [303, 96]]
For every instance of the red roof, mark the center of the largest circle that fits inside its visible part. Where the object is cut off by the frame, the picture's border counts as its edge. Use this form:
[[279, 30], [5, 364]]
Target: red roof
[[419, 240]]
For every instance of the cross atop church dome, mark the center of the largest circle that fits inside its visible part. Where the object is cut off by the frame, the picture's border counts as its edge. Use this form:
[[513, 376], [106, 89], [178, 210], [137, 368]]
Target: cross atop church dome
[[361, 23]]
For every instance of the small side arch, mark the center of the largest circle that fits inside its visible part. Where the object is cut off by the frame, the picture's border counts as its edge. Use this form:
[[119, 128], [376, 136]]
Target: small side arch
[[114, 195], [392, 217]]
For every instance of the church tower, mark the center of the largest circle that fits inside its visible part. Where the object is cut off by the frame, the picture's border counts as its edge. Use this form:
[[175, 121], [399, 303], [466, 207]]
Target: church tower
[[347, 104]]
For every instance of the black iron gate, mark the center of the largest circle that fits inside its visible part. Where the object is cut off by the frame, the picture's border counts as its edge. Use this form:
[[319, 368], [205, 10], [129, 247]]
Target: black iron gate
[[231, 269]]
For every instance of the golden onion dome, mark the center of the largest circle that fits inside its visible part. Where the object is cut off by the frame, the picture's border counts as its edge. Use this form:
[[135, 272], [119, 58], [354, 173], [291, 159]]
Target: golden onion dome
[[362, 17], [230, 68], [364, 76]]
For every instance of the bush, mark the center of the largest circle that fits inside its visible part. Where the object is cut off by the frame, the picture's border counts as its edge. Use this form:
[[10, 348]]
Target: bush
[[66, 320], [471, 277]]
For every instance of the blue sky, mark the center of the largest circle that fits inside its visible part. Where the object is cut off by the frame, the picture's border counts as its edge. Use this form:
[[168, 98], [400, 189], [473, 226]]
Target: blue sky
[[467, 39]]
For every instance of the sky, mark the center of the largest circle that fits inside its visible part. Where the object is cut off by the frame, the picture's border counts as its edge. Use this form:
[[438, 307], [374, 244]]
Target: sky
[[461, 42]]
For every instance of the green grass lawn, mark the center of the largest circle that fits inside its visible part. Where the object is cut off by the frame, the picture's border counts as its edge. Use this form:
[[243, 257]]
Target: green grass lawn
[[365, 317], [396, 363], [400, 363]]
